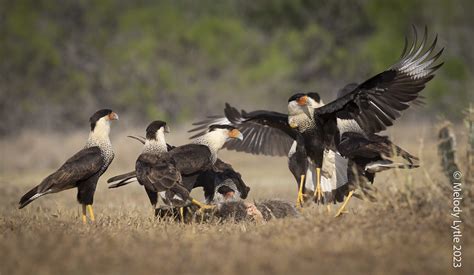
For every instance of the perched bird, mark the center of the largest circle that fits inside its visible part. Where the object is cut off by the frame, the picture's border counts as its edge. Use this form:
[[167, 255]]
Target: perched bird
[[162, 171], [84, 168], [219, 184], [349, 123], [154, 145]]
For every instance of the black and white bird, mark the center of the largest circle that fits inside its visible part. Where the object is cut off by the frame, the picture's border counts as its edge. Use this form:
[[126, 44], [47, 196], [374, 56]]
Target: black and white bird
[[81, 171], [163, 171], [349, 123], [365, 109], [269, 133], [220, 183]]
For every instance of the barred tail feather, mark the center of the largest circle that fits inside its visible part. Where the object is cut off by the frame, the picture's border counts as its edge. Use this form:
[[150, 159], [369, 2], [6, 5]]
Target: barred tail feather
[[31, 196], [122, 182]]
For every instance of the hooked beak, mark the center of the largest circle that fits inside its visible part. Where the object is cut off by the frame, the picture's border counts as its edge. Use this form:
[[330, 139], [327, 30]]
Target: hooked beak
[[113, 116], [306, 111], [167, 129], [236, 134], [302, 101]]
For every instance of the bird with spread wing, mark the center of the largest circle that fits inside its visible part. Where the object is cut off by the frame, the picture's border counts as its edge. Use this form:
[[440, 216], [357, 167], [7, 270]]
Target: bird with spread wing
[[347, 125]]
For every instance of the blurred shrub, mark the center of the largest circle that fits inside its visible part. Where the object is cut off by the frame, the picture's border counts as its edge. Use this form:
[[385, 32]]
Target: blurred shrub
[[177, 60]]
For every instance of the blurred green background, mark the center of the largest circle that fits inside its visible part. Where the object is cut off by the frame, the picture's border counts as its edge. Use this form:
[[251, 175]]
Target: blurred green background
[[180, 60]]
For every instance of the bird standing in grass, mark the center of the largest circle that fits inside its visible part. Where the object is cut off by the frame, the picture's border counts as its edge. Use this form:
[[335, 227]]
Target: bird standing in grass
[[162, 171], [83, 169], [219, 184]]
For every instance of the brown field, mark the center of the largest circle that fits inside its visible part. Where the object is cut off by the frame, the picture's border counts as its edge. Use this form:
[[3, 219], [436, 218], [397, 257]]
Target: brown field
[[406, 232]]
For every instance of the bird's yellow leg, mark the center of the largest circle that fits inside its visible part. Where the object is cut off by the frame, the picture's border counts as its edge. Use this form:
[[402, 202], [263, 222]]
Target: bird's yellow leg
[[300, 199], [84, 217], [340, 211], [91, 212], [181, 213], [317, 192], [202, 205]]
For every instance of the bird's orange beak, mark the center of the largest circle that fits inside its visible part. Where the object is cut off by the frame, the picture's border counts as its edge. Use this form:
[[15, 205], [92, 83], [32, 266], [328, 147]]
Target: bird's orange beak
[[113, 116], [302, 100], [236, 134]]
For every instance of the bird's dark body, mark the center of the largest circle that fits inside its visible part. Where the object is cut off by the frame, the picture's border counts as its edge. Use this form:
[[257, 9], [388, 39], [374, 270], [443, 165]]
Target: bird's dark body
[[314, 145], [208, 179], [82, 171], [366, 149], [182, 169], [158, 173], [211, 179], [298, 161]]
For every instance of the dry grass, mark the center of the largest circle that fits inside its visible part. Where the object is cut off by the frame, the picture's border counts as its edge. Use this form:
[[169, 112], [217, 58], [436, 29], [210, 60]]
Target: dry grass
[[407, 232]]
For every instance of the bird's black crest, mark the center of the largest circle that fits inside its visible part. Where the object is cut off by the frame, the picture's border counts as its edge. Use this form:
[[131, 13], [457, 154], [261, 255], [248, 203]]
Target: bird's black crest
[[295, 96], [219, 126], [153, 127], [98, 115], [314, 96]]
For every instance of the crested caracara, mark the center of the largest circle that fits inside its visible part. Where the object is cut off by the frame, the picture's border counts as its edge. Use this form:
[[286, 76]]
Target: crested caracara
[[222, 182], [159, 170], [83, 169], [365, 109], [349, 124], [269, 133]]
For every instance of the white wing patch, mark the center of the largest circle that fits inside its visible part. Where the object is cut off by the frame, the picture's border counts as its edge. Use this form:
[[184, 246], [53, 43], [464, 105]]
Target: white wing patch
[[292, 149], [348, 125]]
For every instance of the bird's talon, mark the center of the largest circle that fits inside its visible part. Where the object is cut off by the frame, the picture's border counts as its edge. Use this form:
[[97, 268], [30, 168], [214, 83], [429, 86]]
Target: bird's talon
[[300, 198]]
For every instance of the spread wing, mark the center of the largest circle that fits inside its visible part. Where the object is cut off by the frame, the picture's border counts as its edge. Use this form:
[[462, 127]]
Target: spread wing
[[377, 102], [265, 132]]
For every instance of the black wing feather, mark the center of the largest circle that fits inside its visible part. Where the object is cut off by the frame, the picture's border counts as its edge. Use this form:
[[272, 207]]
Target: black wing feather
[[381, 99], [265, 132], [191, 158], [83, 165]]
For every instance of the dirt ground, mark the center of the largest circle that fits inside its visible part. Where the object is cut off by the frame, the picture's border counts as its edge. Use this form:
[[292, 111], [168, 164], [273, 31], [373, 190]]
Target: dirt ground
[[406, 232]]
